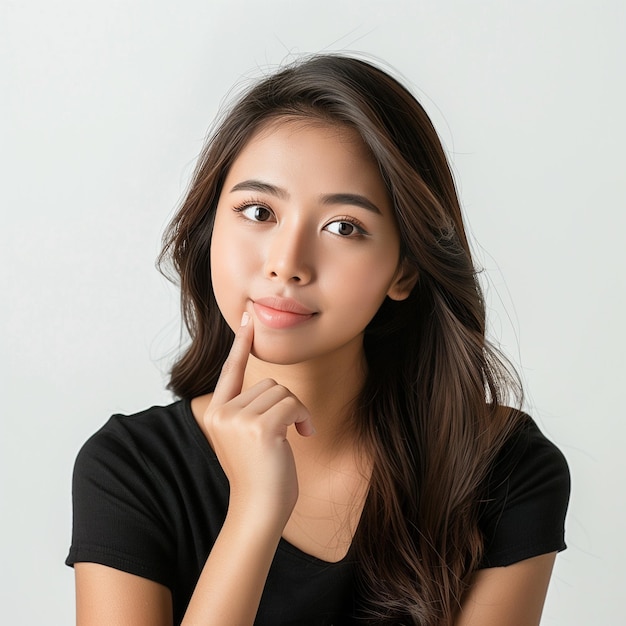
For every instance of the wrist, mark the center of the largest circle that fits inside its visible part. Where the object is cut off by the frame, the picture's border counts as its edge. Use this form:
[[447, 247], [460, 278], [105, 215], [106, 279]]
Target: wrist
[[257, 519]]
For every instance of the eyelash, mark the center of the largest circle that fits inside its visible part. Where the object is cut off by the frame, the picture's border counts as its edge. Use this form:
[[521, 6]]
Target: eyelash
[[347, 219], [360, 229], [240, 208]]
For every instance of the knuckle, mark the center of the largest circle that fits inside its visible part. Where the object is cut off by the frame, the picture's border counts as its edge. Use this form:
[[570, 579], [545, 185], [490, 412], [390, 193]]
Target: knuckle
[[282, 391], [270, 382], [219, 414], [290, 402], [265, 384], [257, 429]]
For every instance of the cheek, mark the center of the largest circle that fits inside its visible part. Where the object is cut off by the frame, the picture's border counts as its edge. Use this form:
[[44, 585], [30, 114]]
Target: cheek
[[226, 274], [362, 284], [233, 264]]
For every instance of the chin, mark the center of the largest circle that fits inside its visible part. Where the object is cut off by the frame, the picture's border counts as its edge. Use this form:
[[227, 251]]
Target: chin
[[278, 353], [276, 357]]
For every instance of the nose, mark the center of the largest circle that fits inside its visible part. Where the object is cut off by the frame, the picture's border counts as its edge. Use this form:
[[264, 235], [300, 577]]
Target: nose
[[289, 256]]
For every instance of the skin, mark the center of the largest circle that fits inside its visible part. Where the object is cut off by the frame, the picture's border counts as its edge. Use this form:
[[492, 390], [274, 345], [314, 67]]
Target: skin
[[278, 419], [292, 248]]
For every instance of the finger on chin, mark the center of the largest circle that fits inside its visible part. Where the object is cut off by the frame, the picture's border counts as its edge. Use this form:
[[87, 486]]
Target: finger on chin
[[231, 379]]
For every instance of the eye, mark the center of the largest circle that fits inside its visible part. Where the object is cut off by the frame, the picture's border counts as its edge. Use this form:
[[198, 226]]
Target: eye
[[255, 212], [347, 228]]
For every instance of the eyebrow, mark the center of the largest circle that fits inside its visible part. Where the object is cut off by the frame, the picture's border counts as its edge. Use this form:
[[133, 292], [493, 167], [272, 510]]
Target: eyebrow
[[331, 198], [261, 187], [351, 198]]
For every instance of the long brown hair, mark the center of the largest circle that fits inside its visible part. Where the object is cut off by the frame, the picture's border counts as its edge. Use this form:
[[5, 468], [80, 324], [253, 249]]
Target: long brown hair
[[431, 412]]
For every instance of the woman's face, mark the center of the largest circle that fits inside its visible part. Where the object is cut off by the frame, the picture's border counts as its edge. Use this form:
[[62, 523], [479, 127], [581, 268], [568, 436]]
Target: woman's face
[[305, 240]]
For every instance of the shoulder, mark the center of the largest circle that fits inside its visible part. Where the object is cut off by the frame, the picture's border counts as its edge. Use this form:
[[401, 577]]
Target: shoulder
[[155, 418], [142, 437], [144, 456], [525, 499], [528, 455], [129, 480]]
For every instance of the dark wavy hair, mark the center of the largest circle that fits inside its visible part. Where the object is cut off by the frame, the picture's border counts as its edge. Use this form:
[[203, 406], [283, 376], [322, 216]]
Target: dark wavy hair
[[432, 413]]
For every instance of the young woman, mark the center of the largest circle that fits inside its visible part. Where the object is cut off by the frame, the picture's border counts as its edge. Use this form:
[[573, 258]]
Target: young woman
[[342, 450]]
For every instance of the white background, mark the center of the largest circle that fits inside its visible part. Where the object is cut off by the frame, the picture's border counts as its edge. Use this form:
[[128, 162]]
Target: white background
[[104, 106]]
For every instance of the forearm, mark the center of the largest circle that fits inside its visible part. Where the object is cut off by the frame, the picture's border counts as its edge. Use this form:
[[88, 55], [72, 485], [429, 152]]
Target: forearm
[[232, 581], [248, 431]]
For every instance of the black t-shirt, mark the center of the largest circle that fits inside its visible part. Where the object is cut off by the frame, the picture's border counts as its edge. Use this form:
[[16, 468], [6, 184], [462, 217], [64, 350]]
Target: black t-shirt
[[150, 498]]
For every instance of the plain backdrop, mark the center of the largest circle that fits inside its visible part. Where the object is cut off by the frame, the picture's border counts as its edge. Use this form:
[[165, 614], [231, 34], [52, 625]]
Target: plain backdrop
[[103, 110]]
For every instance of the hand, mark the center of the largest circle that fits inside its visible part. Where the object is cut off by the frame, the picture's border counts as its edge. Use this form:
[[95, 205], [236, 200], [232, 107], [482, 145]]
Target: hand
[[248, 432]]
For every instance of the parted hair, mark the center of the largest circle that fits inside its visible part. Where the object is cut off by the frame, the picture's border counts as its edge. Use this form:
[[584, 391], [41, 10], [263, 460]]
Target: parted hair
[[432, 413]]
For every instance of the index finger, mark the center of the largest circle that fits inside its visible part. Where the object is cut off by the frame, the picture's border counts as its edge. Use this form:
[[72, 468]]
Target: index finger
[[231, 378]]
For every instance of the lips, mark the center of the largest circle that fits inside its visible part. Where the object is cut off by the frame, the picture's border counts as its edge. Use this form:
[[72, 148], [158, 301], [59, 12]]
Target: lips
[[276, 312]]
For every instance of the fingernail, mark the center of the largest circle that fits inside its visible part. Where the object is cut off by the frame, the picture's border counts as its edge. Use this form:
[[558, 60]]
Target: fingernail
[[245, 318]]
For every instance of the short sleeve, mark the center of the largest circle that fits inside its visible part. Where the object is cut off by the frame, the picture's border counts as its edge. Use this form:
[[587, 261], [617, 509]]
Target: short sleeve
[[523, 514], [117, 509]]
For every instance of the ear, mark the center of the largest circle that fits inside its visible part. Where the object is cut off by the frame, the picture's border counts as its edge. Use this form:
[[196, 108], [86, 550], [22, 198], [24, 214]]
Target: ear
[[406, 278]]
